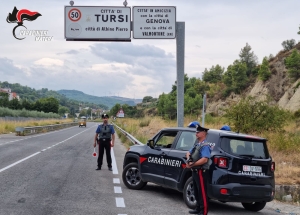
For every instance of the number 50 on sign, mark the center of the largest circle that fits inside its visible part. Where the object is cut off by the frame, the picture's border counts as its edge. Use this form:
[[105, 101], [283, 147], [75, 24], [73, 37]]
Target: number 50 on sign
[[74, 15]]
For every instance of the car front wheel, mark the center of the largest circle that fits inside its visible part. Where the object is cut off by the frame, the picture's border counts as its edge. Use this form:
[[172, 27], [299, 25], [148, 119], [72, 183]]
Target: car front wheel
[[132, 178], [188, 194], [254, 206]]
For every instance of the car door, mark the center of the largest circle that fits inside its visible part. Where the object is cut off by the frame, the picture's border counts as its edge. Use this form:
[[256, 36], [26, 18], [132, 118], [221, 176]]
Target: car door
[[175, 161], [153, 166]]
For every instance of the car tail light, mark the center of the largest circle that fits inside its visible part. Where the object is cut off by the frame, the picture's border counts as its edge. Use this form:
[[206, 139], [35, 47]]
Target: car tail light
[[221, 162], [223, 191], [273, 166]]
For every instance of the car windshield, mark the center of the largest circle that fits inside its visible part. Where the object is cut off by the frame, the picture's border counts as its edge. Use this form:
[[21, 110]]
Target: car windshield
[[246, 148]]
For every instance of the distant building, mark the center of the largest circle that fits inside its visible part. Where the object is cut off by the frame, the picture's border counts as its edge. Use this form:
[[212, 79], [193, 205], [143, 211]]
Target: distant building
[[120, 113], [11, 95]]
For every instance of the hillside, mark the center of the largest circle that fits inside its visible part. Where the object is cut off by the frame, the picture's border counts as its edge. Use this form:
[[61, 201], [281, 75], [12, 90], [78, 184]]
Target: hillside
[[279, 87], [136, 101], [108, 101]]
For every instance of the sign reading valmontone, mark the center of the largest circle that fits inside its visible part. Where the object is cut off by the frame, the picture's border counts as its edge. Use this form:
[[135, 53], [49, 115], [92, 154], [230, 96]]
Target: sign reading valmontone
[[154, 22], [97, 23]]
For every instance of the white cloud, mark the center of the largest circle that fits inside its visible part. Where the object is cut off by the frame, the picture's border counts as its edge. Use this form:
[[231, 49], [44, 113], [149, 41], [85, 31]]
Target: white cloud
[[111, 68], [215, 32], [49, 62]]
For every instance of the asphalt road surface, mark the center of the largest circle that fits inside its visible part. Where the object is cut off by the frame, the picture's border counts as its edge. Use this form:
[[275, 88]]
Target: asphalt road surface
[[54, 173]]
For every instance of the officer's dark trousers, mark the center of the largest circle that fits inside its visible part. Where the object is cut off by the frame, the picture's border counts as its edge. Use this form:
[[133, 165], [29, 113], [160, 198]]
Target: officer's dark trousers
[[200, 189], [104, 145]]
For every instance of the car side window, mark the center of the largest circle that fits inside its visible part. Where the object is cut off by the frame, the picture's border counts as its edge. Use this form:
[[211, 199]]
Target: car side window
[[186, 141], [166, 139]]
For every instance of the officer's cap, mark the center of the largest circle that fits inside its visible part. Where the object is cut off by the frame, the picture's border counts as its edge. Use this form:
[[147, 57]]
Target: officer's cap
[[105, 116], [199, 129]]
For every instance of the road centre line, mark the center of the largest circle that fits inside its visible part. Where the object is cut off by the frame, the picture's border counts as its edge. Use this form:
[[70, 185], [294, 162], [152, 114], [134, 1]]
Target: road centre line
[[9, 166], [30, 156]]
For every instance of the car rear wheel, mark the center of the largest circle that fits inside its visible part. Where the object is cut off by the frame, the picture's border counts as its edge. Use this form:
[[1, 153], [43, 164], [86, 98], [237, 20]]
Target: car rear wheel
[[188, 194], [254, 206], [132, 178]]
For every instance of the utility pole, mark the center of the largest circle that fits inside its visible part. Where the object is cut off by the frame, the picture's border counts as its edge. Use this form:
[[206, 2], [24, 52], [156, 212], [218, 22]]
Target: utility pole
[[203, 109]]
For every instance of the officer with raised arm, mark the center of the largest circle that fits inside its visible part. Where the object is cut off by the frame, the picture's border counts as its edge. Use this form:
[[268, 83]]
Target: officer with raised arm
[[198, 161]]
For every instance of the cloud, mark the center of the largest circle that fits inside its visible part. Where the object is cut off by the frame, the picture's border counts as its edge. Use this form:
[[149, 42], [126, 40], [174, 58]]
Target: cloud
[[7, 68], [49, 62], [127, 52], [72, 52]]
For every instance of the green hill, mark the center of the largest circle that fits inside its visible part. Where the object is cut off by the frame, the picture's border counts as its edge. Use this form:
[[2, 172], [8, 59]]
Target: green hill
[[80, 96]]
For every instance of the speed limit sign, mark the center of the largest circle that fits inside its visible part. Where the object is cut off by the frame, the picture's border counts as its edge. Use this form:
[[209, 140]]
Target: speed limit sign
[[74, 15]]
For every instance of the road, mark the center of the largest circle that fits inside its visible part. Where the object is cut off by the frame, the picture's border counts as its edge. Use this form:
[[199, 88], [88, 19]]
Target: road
[[54, 173]]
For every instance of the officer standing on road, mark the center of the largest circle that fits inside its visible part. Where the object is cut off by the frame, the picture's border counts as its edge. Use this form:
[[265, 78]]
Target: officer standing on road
[[198, 161], [105, 136]]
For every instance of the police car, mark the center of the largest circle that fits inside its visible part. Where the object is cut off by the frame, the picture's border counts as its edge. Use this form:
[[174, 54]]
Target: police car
[[241, 167]]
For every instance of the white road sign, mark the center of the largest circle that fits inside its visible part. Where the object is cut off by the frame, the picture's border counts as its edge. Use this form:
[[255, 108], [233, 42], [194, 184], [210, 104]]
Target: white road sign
[[154, 22], [86, 23]]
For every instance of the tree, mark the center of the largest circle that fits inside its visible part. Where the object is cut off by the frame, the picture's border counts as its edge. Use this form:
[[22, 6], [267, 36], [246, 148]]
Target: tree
[[3, 99], [62, 110], [292, 63], [147, 99], [249, 58], [14, 104], [115, 109], [26, 104], [235, 77], [264, 71], [214, 75], [49, 105], [288, 44], [256, 116], [200, 86]]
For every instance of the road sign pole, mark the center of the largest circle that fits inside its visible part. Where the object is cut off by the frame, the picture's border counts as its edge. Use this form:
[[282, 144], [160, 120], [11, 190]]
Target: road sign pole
[[180, 38]]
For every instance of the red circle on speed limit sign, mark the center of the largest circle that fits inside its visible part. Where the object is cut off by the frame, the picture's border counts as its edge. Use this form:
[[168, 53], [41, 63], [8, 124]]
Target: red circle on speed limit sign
[[74, 15]]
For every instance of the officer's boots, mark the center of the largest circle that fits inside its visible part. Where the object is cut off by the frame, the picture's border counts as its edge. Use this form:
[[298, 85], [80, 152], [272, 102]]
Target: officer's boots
[[195, 211]]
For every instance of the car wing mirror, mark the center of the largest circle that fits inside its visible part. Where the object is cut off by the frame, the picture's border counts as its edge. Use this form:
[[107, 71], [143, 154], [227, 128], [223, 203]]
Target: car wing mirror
[[150, 143]]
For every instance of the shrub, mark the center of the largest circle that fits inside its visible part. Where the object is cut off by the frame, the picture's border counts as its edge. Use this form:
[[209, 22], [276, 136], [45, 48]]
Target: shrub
[[297, 113], [256, 116]]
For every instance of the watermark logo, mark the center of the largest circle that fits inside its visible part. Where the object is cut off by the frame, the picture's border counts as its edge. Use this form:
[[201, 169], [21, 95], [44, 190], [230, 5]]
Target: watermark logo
[[19, 16]]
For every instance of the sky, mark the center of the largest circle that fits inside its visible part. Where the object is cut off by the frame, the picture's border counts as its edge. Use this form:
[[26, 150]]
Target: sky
[[215, 33]]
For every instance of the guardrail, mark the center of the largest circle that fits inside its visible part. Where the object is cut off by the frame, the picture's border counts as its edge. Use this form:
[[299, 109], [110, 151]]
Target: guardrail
[[129, 136], [22, 131]]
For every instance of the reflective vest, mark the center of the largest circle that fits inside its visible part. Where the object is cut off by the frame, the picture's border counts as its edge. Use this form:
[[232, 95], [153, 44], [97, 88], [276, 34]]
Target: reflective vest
[[105, 132]]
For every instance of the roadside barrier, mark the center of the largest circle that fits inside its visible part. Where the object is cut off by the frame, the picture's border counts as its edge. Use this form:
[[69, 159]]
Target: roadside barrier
[[22, 131], [129, 136]]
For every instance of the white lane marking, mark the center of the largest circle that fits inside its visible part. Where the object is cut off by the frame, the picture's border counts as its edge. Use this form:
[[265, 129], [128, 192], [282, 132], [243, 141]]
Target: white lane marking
[[34, 136], [122, 214], [116, 181], [113, 158], [120, 202], [11, 165], [117, 189]]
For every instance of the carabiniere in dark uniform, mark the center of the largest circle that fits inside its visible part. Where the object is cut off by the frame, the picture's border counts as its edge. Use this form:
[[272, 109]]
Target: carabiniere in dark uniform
[[198, 161]]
